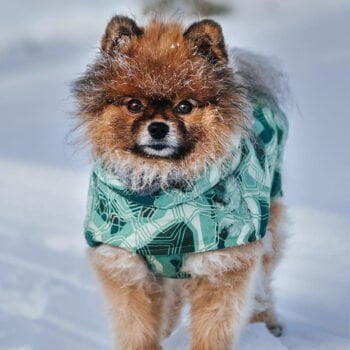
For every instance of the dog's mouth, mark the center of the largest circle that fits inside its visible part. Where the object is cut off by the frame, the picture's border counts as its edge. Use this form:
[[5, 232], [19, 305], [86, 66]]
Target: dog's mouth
[[167, 148], [158, 147], [158, 150]]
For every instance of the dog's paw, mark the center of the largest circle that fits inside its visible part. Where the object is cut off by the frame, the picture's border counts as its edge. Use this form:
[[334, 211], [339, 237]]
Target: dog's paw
[[276, 329]]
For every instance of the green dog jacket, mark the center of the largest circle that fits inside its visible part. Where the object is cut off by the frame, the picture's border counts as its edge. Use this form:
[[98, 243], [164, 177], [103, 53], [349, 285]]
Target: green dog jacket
[[223, 208]]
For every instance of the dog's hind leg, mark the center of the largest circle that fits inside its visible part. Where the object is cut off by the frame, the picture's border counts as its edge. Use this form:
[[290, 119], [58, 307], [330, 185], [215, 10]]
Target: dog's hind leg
[[134, 297], [273, 247]]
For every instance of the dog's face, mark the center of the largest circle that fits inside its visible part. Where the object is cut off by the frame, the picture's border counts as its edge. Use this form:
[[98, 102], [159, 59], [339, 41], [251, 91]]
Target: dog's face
[[158, 127], [161, 97]]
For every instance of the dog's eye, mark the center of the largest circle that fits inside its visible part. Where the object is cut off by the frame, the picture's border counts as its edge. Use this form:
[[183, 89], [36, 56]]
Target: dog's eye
[[184, 107], [135, 106]]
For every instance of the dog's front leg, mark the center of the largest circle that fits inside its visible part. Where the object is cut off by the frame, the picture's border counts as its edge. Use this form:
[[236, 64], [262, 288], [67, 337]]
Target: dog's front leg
[[220, 299], [134, 297]]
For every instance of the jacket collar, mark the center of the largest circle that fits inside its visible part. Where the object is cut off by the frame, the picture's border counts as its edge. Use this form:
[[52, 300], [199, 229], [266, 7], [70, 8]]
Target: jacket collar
[[173, 197]]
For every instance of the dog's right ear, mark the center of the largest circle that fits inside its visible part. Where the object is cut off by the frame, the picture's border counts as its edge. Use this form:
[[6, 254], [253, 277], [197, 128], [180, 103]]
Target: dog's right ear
[[207, 40], [119, 32]]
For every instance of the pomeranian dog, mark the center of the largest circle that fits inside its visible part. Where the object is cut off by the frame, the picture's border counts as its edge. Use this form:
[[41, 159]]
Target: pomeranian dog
[[185, 194]]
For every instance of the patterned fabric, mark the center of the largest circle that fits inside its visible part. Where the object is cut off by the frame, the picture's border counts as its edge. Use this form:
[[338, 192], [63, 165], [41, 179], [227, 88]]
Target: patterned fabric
[[223, 209]]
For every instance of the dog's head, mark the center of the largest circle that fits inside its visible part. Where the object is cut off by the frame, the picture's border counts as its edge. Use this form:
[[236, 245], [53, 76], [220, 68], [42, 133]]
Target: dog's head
[[161, 101]]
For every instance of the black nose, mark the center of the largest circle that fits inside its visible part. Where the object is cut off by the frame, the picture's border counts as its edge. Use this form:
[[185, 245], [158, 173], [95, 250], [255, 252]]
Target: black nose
[[158, 130]]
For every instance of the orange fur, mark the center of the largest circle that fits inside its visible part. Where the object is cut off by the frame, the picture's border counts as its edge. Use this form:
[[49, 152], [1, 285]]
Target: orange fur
[[135, 306], [174, 298], [219, 307], [270, 260], [164, 63], [220, 293]]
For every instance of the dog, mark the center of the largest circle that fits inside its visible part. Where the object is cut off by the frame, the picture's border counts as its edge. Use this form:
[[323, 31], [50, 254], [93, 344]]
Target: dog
[[185, 198]]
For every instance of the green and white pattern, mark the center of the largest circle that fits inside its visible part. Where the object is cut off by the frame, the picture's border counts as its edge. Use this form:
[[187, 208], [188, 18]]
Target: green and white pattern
[[223, 209]]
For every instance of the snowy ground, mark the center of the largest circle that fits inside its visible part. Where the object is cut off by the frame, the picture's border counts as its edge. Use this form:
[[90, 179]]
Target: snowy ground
[[48, 295]]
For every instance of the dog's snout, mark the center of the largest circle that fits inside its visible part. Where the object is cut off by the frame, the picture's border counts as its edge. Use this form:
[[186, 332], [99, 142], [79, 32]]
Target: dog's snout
[[158, 130]]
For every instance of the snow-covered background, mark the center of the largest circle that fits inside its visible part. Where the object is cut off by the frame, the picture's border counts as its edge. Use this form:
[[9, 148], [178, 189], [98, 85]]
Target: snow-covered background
[[49, 297]]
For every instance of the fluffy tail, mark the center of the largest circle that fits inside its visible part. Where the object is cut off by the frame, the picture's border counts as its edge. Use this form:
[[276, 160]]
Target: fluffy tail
[[261, 76]]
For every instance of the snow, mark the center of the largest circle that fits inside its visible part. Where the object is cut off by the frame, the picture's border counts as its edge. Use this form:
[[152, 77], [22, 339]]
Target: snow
[[50, 294], [49, 297]]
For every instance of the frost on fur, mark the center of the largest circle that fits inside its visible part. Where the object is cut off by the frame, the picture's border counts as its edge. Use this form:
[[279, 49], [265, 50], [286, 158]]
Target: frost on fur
[[162, 62]]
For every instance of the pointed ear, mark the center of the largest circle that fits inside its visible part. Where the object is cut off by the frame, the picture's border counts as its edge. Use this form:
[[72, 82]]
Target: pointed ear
[[119, 33], [207, 40]]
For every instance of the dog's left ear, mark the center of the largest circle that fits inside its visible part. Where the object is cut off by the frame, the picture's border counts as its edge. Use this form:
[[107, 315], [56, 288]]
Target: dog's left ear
[[207, 40]]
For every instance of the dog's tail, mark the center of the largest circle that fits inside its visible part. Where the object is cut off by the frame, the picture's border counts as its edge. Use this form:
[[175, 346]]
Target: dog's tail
[[262, 77]]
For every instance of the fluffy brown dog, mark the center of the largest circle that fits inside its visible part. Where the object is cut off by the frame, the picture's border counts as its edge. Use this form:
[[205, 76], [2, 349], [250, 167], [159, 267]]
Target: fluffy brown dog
[[160, 105]]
